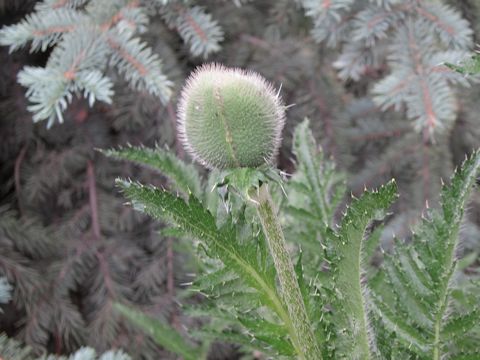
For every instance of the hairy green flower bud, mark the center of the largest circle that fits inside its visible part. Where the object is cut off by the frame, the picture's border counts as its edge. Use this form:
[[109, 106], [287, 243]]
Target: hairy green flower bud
[[229, 118]]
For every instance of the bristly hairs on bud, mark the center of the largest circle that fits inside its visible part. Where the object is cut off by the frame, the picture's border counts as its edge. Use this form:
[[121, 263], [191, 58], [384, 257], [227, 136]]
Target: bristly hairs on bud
[[230, 117]]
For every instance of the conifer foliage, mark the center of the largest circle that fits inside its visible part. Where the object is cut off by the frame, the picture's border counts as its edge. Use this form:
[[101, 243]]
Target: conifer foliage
[[90, 37], [66, 252], [420, 37], [4, 290]]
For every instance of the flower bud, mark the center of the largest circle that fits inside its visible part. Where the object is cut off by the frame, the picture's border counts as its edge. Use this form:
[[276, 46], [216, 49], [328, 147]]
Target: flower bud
[[229, 118]]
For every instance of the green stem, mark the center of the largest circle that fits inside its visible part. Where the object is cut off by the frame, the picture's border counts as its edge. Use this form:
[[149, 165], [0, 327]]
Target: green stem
[[303, 338]]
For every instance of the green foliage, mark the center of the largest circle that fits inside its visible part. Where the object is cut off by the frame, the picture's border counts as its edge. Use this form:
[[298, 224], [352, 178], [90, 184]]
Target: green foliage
[[315, 176], [351, 302], [246, 278], [245, 262], [412, 299], [413, 292], [314, 193], [346, 249], [13, 350]]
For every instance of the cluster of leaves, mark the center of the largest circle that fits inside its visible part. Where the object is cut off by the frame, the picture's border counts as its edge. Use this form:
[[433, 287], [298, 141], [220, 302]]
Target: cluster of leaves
[[89, 38], [412, 308]]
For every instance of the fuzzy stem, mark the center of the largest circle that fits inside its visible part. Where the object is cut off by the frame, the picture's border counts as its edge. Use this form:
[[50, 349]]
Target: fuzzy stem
[[304, 338]]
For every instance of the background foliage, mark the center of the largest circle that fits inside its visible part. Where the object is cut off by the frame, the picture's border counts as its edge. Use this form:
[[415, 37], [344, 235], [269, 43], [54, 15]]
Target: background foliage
[[368, 74]]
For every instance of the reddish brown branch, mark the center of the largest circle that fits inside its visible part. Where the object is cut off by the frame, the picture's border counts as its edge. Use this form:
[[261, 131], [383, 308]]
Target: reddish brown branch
[[71, 72], [54, 29], [92, 191], [58, 343], [18, 186], [102, 262], [193, 24], [115, 19], [326, 4], [128, 57], [257, 42], [59, 4], [433, 18], [420, 71]]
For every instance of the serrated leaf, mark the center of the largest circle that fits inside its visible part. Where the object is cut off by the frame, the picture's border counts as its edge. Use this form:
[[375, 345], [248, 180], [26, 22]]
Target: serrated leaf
[[236, 338], [351, 301], [421, 277], [461, 324], [470, 356], [407, 296], [222, 243], [418, 278], [371, 244], [183, 177], [212, 279], [309, 162], [408, 335], [172, 232], [276, 336]]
